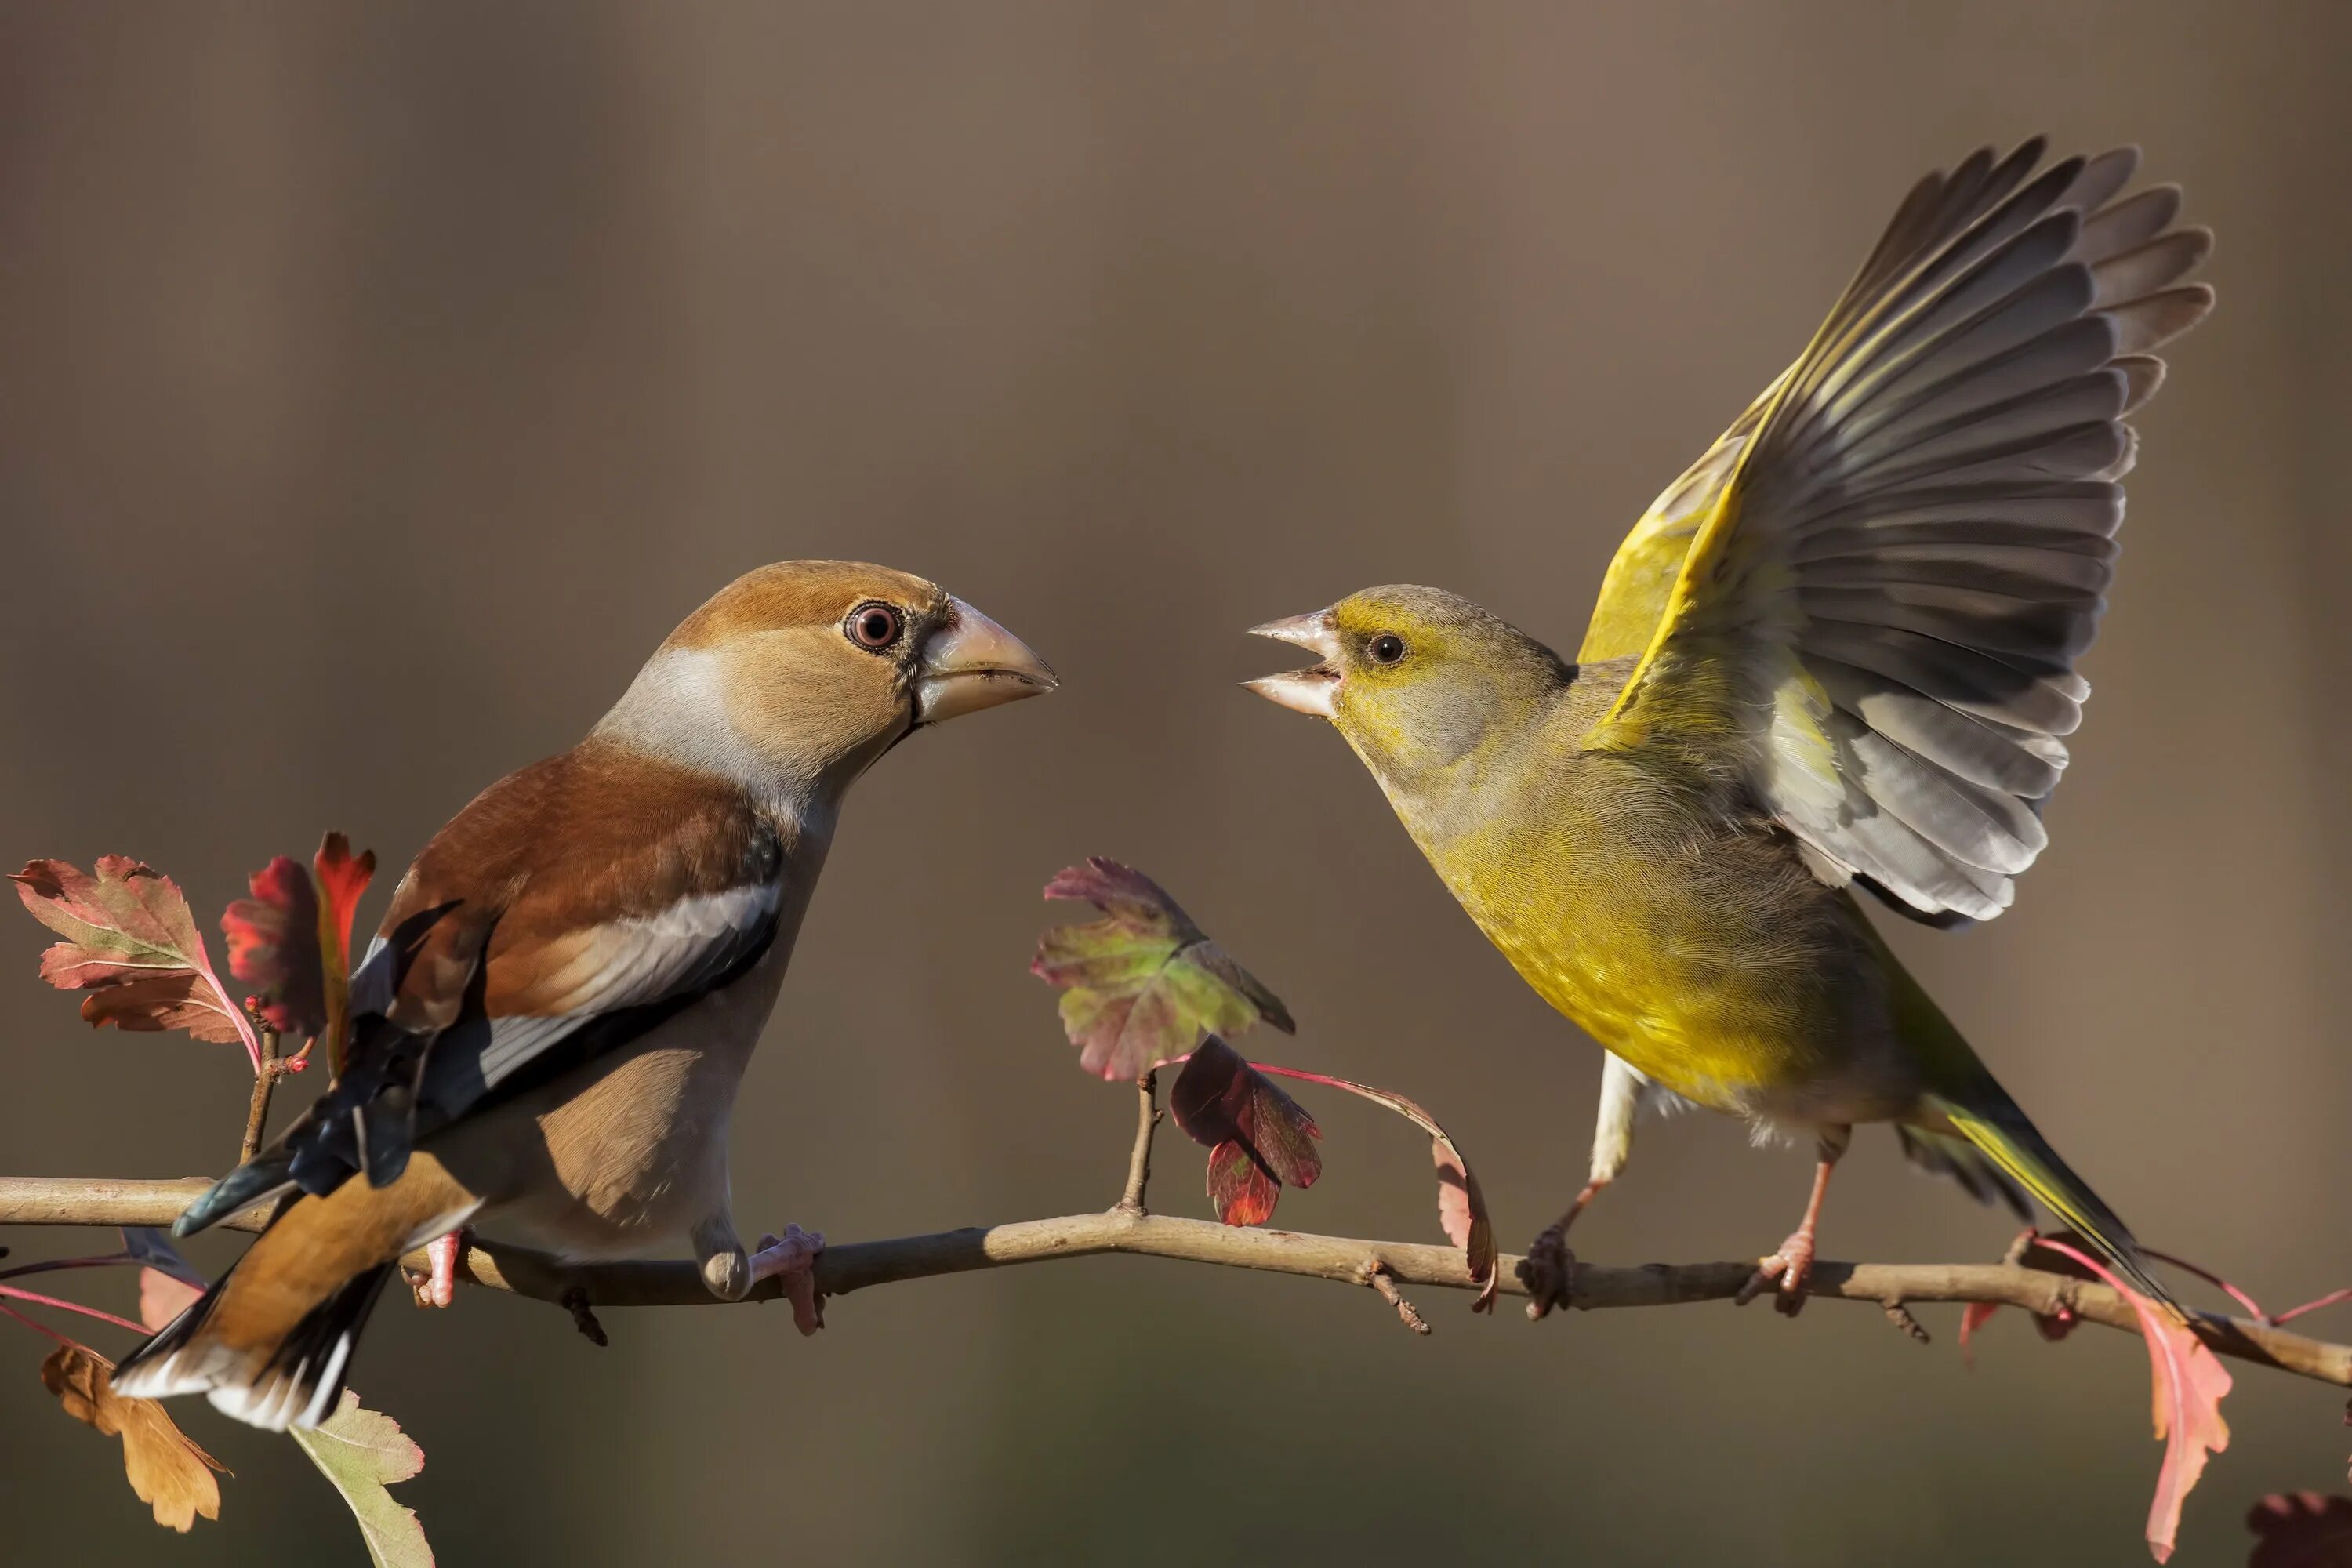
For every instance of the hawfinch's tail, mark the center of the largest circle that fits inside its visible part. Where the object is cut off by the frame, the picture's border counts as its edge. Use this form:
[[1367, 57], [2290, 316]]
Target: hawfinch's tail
[[270, 1343], [293, 1381]]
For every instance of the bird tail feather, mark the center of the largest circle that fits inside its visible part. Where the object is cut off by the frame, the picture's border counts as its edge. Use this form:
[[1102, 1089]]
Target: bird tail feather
[[1949, 1155], [265, 1176], [292, 1379], [2002, 1133]]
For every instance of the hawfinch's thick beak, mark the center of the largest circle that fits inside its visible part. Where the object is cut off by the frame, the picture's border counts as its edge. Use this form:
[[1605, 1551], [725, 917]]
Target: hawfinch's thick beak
[[971, 663], [1302, 691]]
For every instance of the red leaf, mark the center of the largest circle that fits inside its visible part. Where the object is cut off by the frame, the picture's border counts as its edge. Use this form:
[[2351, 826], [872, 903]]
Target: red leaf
[[1244, 1118], [1972, 1317], [161, 1297], [1461, 1207], [273, 946], [1243, 1190], [131, 943], [1142, 985], [2187, 1381], [342, 878], [291, 941], [2301, 1530]]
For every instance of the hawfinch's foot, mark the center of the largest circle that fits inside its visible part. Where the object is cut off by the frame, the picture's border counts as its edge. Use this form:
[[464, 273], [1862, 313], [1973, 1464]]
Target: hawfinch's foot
[[1549, 1273], [439, 1287], [1789, 1267], [791, 1257]]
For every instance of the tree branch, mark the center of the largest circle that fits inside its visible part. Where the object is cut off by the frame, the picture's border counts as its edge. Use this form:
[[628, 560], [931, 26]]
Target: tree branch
[[38, 1200]]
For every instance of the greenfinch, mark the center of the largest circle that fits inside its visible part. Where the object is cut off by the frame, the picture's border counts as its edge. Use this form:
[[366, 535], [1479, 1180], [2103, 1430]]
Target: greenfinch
[[1837, 653]]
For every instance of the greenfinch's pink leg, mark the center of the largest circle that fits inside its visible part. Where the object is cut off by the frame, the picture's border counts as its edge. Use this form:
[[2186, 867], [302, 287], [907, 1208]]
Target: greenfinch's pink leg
[[1794, 1261]]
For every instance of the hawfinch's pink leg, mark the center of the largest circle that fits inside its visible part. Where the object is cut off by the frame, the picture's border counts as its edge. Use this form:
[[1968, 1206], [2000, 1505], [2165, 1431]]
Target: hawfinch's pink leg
[[439, 1287], [792, 1256]]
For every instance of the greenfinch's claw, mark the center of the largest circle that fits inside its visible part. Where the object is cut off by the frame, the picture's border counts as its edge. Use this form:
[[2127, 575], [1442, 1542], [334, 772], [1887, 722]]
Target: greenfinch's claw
[[1548, 1271], [1789, 1268]]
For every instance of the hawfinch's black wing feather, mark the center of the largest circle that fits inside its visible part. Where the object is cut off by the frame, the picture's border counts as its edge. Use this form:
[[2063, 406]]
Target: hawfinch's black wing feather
[[569, 909]]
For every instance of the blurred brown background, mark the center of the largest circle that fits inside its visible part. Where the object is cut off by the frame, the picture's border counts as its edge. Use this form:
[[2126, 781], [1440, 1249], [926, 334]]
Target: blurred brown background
[[379, 384]]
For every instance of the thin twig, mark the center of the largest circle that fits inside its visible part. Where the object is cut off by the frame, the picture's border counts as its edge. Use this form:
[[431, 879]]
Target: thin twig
[[583, 1316], [44, 1200], [1373, 1275], [266, 1074], [1139, 1163], [1899, 1314]]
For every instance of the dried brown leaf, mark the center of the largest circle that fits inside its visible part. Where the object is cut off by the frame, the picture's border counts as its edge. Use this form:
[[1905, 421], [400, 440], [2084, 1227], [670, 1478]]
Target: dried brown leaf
[[169, 1473]]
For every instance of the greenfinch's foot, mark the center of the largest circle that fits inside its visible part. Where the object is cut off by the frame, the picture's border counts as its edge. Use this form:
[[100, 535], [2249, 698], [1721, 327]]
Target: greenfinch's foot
[[1788, 1268], [1548, 1271], [791, 1257]]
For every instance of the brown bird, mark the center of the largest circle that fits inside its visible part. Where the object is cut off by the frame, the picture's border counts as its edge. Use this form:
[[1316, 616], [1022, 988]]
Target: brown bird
[[552, 1020]]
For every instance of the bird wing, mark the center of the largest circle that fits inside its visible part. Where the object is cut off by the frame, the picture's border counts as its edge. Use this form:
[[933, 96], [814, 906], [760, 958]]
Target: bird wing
[[1640, 581], [1886, 590], [561, 915]]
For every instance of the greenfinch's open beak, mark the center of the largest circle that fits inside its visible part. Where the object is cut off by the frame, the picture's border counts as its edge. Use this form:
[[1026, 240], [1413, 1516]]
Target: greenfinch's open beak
[[971, 663], [1302, 691]]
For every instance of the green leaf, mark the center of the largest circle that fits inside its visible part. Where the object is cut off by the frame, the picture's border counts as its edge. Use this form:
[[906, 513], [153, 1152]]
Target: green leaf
[[1143, 984], [362, 1451]]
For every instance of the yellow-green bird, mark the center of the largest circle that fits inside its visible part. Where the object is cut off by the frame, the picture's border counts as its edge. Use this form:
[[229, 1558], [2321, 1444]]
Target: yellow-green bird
[[1838, 652]]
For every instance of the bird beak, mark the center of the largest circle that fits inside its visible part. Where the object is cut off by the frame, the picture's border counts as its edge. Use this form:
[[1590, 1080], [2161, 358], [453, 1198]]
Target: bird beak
[[971, 663], [1302, 691]]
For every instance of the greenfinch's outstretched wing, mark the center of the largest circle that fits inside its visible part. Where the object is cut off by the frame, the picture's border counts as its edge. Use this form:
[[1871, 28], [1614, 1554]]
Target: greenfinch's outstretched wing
[[1878, 617], [1641, 578]]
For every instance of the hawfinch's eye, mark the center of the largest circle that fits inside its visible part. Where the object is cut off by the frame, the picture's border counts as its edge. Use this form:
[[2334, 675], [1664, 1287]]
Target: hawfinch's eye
[[1386, 648], [874, 626]]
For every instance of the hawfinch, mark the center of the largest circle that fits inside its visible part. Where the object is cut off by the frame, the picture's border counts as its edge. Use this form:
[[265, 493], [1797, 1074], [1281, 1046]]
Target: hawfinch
[[552, 1022]]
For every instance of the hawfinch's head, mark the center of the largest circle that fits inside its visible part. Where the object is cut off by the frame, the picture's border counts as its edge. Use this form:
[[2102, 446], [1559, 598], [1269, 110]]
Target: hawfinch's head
[[797, 676]]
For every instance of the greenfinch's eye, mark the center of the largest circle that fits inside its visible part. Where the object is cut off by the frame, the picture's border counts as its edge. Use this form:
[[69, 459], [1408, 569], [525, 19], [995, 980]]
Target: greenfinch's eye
[[1386, 648], [872, 627]]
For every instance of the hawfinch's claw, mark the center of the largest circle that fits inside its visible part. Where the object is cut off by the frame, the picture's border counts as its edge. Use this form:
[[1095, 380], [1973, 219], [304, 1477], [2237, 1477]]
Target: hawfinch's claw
[[791, 1257], [439, 1287]]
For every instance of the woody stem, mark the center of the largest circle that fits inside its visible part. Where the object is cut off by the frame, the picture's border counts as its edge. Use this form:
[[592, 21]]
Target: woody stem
[[1139, 1163], [265, 1082]]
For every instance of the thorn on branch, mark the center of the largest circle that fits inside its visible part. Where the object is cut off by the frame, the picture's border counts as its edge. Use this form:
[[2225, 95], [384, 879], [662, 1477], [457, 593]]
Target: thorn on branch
[[1900, 1316], [583, 1316], [1375, 1273]]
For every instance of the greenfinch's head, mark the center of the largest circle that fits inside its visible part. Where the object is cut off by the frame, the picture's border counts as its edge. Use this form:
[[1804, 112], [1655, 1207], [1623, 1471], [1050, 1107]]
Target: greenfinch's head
[[1415, 678]]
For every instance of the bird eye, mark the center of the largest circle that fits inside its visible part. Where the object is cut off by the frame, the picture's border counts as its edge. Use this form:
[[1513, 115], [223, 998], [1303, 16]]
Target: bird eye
[[874, 626], [1386, 648]]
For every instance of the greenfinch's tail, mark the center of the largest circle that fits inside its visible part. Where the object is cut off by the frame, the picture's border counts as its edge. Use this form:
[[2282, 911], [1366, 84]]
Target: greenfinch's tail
[[1998, 1127], [1949, 1155]]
